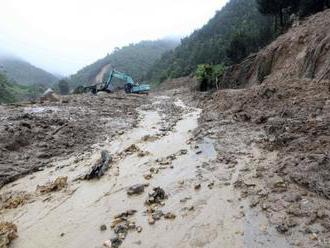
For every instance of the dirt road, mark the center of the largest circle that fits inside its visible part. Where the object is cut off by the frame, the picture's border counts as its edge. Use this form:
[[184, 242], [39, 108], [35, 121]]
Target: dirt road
[[202, 208]]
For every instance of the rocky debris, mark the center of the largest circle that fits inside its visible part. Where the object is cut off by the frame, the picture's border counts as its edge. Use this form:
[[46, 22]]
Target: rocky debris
[[149, 138], [170, 216], [59, 184], [132, 149], [57, 130], [100, 167], [8, 232], [50, 96], [156, 197], [121, 225], [136, 189], [197, 186]]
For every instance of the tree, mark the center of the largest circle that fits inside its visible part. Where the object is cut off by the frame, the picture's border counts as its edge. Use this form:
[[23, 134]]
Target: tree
[[308, 7], [63, 87], [278, 8]]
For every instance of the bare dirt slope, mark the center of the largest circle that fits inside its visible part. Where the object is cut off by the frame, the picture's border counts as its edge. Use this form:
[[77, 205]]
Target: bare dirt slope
[[285, 111]]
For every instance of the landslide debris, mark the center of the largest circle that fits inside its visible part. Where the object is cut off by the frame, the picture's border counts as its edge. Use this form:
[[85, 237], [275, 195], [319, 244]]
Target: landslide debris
[[32, 135], [59, 184], [8, 232], [283, 108]]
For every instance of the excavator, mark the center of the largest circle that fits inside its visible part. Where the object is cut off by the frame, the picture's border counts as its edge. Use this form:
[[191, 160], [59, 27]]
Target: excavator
[[130, 86]]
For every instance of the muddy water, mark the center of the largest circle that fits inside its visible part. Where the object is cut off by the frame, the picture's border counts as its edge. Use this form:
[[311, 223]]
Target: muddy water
[[212, 216]]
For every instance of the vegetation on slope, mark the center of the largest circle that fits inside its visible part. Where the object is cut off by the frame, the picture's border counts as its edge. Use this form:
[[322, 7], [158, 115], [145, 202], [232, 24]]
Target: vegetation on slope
[[134, 59], [12, 92], [234, 32], [26, 74]]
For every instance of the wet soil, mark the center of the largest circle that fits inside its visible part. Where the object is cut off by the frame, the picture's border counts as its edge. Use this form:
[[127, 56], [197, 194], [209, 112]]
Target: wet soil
[[202, 206], [33, 135]]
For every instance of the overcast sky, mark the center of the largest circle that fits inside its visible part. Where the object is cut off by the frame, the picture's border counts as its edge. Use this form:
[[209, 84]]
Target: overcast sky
[[62, 36]]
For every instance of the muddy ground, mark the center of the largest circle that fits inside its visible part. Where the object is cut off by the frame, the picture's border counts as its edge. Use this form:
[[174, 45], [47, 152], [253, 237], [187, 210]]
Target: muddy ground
[[186, 169], [34, 135]]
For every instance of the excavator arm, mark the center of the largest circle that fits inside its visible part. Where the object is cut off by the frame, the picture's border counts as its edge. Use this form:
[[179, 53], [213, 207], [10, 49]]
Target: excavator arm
[[130, 86]]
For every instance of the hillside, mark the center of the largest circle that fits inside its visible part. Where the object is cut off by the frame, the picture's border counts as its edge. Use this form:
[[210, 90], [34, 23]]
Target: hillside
[[12, 92], [24, 73], [281, 113], [134, 59], [234, 32]]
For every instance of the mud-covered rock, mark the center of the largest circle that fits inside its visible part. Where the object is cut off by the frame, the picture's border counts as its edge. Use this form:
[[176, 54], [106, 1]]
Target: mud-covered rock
[[100, 167], [136, 189], [157, 196]]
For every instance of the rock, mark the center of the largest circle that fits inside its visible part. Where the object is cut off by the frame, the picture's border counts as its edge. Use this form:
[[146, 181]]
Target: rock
[[116, 242], [58, 184], [100, 167], [147, 176], [125, 214], [169, 216], [282, 228], [157, 214], [197, 186], [210, 185], [136, 189], [156, 197], [183, 151], [139, 229], [103, 227]]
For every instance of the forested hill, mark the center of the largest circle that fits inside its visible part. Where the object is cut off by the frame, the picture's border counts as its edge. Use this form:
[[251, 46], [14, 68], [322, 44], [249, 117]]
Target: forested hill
[[134, 59], [234, 32], [24, 73]]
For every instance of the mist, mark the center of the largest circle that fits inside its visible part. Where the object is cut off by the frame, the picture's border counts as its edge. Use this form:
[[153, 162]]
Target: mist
[[65, 35]]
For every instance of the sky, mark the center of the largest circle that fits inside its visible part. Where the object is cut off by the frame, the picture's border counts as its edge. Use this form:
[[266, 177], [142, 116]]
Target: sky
[[62, 36]]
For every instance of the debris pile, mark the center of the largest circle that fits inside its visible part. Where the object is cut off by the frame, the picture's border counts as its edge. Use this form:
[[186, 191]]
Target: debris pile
[[59, 184], [8, 232], [121, 225], [13, 200]]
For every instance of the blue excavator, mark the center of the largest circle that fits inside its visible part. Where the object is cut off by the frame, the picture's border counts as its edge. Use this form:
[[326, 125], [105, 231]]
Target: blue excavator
[[129, 86]]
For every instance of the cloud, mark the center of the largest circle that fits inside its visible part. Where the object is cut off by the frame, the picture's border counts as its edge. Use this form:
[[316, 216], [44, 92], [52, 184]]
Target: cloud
[[64, 35]]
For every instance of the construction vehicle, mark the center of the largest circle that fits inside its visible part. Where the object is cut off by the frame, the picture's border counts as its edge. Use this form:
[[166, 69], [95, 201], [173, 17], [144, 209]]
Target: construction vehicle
[[130, 86]]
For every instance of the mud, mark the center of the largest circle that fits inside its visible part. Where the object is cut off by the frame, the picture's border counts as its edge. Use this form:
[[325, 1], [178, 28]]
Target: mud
[[170, 212], [34, 135]]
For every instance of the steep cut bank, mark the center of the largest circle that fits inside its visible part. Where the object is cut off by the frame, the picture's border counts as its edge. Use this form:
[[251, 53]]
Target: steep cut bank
[[303, 52], [283, 109]]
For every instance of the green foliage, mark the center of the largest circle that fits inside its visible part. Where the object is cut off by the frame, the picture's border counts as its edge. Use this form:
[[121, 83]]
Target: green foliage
[[63, 87], [234, 32], [26, 74], [12, 92], [208, 76], [134, 59]]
